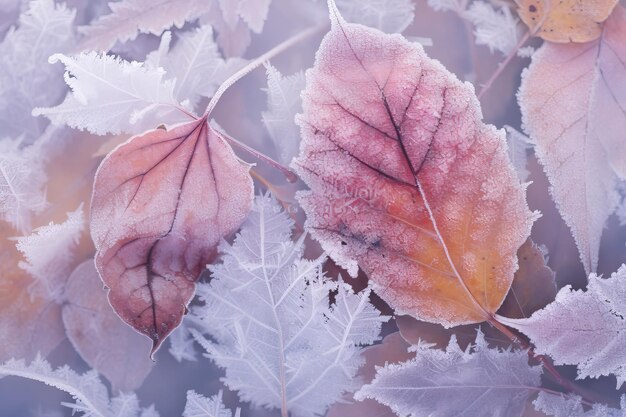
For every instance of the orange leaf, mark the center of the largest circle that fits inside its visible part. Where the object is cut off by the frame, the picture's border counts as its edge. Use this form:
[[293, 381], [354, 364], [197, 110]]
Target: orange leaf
[[161, 203], [406, 181], [565, 20]]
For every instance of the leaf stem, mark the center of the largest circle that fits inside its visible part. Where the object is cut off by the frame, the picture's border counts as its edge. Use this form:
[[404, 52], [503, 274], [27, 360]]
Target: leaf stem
[[503, 65], [255, 63], [564, 382], [289, 174]]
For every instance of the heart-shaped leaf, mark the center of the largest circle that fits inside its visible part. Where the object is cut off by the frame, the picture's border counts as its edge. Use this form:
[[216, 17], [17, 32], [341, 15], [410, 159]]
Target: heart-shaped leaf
[[161, 203]]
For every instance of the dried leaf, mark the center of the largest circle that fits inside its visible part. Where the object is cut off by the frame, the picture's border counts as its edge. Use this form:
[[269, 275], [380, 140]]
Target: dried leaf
[[534, 286], [565, 20], [162, 201], [406, 181], [573, 102], [105, 342]]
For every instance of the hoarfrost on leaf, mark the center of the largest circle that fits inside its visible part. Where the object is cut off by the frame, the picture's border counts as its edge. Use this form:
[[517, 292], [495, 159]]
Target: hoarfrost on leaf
[[477, 382], [200, 406], [571, 406], [518, 147], [90, 394], [497, 29], [572, 99], [583, 328], [26, 80], [22, 183], [283, 102], [194, 64], [129, 18], [182, 344], [268, 311], [390, 16], [110, 95], [48, 254]]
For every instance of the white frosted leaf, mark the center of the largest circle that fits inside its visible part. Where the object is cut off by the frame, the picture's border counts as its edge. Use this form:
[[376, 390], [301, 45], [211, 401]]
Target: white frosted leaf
[[283, 102], [457, 6], [390, 16], [200, 406], [110, 95], [267, 310], [26, 80], [48, 254], [571, 406], [584, 328], [498, 29], [476, 382], [22, 183], [197, 66], [572, 99], [129, 18], [253, 12], [182, 344]]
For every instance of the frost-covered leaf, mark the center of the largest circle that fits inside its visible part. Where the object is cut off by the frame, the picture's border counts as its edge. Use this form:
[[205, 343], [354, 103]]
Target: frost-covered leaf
[[573, 101], [200, 406], [22, 183], [161, 203], [571, 406], [565, 20], [28, 323], [90, 395], [457, 6], [233, 41], [518, 147], [584, 328], [253, 12], [110, 95], [496, 28], [128, 18], [476, 382], [105, 342], [406, 180], [283, 102], [390, 16], [182, 344], [195, 64], [26, 80], [48, 254], [268, 311]]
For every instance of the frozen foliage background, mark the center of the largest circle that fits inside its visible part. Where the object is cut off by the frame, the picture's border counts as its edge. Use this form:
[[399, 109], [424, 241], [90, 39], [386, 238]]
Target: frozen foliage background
[[254, 111]]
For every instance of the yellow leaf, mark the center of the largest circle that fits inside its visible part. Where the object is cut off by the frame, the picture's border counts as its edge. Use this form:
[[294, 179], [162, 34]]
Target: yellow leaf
[[567, 20]]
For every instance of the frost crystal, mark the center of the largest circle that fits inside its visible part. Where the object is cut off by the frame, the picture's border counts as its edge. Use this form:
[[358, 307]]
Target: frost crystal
[[571, 406], [49, 253], [22, 183], [26, 80], [110, 95], [476, 382], [584, 328], [90, 394], [200, 406], [284, 102], [390, 16], [498, 29], [275, 332]]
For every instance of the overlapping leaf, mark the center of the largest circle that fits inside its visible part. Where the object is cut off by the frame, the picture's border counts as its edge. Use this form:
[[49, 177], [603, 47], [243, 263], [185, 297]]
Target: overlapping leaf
[[161, 203], [573, 102], [406, 181]]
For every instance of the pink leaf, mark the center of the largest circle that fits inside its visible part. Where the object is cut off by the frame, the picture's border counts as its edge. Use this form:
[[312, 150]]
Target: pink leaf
[[406, 181], [161, 203], [106, 343], [573, 102]]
